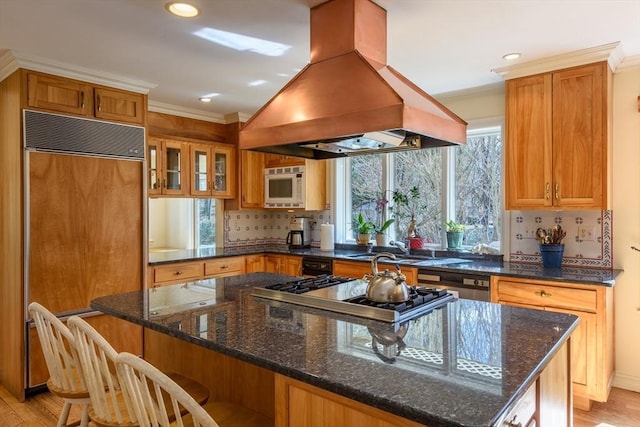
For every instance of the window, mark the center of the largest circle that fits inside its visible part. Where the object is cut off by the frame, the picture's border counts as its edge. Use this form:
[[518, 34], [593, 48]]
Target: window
[[460, 183], [205, 211]]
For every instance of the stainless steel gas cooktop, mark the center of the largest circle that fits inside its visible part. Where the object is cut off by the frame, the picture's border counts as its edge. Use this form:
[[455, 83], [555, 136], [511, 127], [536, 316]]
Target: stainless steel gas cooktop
[[344, 295]]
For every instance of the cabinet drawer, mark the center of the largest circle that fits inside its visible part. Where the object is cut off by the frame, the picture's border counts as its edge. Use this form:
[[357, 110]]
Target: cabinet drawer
[[224, 266], [523, 413], [547, 296], [177, 272]]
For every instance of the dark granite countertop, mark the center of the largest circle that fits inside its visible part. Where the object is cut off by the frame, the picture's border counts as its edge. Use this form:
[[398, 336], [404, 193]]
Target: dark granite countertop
[[463, 365], [476, 264]]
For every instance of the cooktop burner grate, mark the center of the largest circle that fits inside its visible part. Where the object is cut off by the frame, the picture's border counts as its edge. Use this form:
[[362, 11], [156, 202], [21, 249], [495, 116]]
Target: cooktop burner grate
[[302, 286], [417, 297]]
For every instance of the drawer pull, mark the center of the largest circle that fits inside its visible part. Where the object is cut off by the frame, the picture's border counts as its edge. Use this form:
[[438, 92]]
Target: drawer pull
[[177, 273], [224, 266], [557, 191], [544, 294], [514, 422]]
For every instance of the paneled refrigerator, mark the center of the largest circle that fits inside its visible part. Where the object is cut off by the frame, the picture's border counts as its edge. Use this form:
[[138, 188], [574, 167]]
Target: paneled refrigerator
[[84, 222]]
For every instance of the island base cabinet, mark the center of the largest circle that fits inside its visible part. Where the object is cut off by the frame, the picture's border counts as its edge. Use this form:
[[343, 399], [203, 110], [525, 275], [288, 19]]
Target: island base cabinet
[[302, 405]]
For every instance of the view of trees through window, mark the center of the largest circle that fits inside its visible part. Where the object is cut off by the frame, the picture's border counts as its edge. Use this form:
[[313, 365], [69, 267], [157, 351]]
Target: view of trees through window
[[475, 192], [206, 222]]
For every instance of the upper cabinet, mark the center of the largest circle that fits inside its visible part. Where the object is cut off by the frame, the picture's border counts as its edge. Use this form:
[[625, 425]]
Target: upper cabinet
[[167, 167], [557, 139], [212, 170], [278, 160], [62, 95]]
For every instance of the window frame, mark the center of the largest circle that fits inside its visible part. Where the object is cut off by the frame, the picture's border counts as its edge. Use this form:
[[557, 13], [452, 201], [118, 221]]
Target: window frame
[[342, 195]]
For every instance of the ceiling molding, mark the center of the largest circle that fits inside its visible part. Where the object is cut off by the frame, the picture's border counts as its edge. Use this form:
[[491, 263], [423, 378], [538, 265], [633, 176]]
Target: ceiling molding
[[191, 113], [12, 60], [490, 89], [629, 62], [237, 117], [612, 53]]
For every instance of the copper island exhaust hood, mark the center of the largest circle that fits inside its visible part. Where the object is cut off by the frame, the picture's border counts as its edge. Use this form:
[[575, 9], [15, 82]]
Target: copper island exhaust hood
[[347, 100]]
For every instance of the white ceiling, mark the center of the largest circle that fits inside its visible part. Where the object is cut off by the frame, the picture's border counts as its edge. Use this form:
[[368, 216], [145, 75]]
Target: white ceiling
[[441, 45]]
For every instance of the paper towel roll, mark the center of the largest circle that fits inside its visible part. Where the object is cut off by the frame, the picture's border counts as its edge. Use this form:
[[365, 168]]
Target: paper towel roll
[[326, 237]]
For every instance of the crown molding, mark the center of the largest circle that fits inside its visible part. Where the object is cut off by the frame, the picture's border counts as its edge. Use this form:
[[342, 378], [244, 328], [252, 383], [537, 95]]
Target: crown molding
[[237, 117], [191, 113], [12, 60], [629, 62], [612, 53], [485, 90]]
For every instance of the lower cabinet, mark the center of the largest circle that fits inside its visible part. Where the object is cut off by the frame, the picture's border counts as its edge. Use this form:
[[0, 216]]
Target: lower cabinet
[[592, 356], [357, 270], [179, 272], [254, 263], [283, 264], [303, 405]]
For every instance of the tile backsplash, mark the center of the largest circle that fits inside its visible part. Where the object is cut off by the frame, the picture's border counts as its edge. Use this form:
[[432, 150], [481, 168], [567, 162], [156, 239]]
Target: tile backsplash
[[249, 228], [588, 242]]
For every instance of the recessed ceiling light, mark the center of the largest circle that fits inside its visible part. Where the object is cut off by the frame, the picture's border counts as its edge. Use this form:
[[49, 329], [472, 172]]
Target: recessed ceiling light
[[207, 97], [510, 56], [183, 10], [203, 99]]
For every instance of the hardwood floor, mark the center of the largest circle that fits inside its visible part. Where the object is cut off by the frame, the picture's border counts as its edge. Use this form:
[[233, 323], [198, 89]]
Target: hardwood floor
[[622, 410]]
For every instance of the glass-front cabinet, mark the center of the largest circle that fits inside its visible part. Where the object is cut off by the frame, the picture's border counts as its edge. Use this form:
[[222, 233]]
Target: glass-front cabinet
[[211, 170], [167, 167]]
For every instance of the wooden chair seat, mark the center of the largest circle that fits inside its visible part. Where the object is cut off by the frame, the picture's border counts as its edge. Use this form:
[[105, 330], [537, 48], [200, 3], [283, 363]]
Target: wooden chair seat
[[151, 393]]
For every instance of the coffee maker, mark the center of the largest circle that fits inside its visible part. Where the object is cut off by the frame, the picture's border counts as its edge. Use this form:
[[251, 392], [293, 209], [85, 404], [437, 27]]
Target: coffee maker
[[299, 236]]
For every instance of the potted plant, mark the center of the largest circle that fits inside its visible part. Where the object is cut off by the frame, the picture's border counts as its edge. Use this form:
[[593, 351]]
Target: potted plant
[[363, 229], [455, 231], [381, 232], [407, 205]]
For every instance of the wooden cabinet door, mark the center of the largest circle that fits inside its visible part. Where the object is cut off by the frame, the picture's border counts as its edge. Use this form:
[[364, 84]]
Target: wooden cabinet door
[[252, 179], [579, 136], [293, 265], [154, 166], [118, 105], [528, 145], [583, 351], [174, 168], [222, 171], [59, 94], [273, 263], [254, 263], [200, 169]]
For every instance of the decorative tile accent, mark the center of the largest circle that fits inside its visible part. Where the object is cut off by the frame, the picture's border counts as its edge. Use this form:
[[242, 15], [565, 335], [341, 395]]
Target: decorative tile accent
[[588, 242], [252, 228]]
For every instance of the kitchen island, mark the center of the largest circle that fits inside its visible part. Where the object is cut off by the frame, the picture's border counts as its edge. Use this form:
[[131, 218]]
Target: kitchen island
[[467, 363]]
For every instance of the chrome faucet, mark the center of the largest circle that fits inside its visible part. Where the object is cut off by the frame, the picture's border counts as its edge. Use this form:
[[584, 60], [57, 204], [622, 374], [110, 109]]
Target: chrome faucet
[[400, 246]]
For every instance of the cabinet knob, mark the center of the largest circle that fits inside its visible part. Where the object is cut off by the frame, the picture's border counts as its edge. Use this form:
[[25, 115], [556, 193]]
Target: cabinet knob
[[514, 422], [82, 99], [557, 191], [224, 266], [99, 103], [544, 294], [177, 273]]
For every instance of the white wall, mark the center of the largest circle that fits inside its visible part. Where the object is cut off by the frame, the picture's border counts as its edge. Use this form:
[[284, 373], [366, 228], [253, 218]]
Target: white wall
[[626, 225], [171, 223]]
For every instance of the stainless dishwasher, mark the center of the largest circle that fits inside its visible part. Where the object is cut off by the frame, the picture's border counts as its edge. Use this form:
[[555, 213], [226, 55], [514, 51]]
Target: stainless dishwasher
[[467, 285]]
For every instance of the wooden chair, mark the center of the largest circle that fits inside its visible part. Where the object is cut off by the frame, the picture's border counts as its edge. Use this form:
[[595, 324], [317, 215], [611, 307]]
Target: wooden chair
[[65, 377], [98, 358], [153, 396]]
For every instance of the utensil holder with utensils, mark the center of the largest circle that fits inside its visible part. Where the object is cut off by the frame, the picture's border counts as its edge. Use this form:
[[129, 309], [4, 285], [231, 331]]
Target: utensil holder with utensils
[[551, 248]]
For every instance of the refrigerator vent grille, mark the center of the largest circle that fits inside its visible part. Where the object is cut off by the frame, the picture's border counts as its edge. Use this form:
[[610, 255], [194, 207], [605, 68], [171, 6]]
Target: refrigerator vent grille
[[64, 134]]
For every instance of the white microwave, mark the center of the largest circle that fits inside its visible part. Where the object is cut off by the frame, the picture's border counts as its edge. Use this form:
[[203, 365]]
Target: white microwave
[[284, 187]]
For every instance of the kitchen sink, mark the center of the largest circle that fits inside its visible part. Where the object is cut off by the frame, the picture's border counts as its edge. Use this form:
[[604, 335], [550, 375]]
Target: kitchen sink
[[410, 260], [399, 258]]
